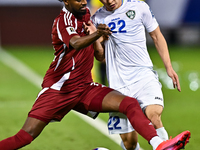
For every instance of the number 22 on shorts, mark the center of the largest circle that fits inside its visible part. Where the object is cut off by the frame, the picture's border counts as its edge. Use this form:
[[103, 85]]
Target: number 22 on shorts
[[113, 123]]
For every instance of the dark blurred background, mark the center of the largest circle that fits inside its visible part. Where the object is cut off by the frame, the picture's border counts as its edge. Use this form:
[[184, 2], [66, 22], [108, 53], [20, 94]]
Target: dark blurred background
[[29, 22], [179, 20]]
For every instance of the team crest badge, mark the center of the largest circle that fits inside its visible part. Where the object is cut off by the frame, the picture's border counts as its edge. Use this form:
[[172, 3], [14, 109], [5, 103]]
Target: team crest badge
[[131, 14]]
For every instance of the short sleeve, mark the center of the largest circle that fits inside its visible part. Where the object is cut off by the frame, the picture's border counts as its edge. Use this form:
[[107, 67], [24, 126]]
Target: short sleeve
[[66, 29], [94, 20], [148, 18]]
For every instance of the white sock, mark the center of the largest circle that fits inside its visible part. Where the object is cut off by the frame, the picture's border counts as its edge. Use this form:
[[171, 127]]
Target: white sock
[[124, 148], [138, 146], [162, 133], [155, 141], [122, 145]]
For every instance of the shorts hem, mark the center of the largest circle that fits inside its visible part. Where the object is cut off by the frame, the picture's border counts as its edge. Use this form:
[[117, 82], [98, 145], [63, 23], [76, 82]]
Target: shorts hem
[[120, 132], [40, 118], [100, 96]]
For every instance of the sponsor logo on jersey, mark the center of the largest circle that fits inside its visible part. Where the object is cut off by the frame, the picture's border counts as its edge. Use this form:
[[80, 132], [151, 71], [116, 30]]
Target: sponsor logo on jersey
[[115, 19], [130, 14], [70, 30]]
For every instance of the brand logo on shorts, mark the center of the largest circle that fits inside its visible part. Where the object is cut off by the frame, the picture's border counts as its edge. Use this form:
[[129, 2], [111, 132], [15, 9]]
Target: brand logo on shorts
[[158, 98], [130, 14]]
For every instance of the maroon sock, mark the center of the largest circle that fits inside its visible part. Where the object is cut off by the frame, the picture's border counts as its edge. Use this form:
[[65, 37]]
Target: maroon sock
[[19, 140], [131, 108]]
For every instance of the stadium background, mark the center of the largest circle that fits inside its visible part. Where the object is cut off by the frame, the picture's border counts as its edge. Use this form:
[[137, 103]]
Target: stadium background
[[25, 28]]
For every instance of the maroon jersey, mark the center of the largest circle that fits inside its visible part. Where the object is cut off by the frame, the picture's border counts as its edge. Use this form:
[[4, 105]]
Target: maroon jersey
[[68, 83], [70, 69]]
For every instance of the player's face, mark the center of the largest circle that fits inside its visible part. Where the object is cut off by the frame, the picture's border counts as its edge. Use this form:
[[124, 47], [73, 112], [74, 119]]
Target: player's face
[[111, 4], [77, 7]]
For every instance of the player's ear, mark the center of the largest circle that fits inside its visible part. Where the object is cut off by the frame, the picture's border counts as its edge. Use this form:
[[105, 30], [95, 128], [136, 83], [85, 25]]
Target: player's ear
[[66, 2]]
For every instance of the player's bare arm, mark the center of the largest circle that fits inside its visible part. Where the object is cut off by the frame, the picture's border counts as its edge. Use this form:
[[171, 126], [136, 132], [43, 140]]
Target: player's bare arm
[[79, 43], [99, 52], [162, 48], [99, 48]]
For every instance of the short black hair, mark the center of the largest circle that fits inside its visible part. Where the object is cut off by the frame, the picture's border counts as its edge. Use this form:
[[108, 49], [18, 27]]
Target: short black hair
[[60, 0]]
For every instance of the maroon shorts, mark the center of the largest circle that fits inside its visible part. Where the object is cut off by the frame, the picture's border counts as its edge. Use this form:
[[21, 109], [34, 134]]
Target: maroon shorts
[[54, 105]]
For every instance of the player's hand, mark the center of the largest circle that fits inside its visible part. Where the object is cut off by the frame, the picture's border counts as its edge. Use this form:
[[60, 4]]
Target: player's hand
[[105, 37], [89, 28], [103, 29], [173, 75]]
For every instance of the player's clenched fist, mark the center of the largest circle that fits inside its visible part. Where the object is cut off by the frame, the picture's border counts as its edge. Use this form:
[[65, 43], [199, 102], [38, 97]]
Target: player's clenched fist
[[103, 29]]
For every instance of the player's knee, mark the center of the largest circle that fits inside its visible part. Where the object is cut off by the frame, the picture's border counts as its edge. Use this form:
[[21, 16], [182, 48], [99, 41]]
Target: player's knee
[[129, 140], [153, 113], [156, 121], [128, 103]]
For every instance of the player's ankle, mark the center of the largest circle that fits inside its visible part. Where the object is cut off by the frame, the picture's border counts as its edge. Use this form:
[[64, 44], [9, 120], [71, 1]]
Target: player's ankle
[[155, 142]]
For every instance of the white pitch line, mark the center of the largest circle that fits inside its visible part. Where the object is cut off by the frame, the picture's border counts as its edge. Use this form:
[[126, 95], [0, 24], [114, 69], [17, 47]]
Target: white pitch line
[[20, 68], [36, 79], [101, 126]]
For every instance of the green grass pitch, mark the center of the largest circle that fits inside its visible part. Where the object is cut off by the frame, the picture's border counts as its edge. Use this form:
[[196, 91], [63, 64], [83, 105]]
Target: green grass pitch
[[17, 96]]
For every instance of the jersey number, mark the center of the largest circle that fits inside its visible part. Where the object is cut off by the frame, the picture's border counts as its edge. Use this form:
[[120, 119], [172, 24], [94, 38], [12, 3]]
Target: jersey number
[[120, 24], [115, 121]]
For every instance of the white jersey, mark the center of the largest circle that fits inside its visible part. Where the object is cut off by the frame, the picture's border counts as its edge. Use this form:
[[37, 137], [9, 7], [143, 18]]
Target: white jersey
[[126, 52]]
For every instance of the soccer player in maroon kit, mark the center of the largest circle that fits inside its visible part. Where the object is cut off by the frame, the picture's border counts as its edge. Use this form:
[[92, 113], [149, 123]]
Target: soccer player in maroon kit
[[68, 84]]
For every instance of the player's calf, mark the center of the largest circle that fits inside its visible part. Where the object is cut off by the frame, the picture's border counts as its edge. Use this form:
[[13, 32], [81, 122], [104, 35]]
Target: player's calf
[[131, 108]]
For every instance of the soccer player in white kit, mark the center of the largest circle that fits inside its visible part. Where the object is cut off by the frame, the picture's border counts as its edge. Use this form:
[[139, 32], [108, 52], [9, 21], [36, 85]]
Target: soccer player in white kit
[[129, 67]]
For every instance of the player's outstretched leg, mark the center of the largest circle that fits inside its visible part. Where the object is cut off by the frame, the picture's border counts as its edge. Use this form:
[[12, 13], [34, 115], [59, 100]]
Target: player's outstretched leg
[[31, 129], [176, 143], [19, 140]]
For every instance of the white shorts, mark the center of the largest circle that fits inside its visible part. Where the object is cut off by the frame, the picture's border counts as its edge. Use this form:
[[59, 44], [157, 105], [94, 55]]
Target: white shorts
[[147, 92]]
